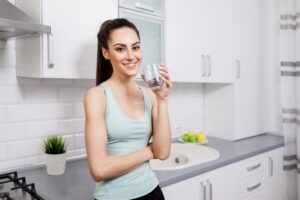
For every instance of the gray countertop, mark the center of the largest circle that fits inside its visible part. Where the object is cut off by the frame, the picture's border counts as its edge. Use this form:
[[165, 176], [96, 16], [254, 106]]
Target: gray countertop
[[77, 184]]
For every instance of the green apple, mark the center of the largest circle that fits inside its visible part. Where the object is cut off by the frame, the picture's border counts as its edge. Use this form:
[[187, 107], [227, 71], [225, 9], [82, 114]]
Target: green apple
[[193, 139], [185, 138]]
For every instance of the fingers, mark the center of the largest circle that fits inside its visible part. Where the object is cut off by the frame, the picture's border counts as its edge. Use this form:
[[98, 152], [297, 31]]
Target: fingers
[[167, 82], [164, 71], [165, 75]]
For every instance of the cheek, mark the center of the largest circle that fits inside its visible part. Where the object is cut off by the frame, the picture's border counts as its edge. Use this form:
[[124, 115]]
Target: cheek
[[139, 55]]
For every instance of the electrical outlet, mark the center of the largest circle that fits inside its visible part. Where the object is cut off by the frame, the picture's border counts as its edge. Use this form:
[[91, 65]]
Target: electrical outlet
[[177, 130]]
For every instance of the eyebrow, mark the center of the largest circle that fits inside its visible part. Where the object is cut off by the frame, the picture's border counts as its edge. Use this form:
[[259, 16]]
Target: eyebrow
[[119, 44]]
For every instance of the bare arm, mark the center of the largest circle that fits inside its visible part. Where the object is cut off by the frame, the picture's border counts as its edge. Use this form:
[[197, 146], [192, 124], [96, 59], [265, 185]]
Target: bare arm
[[160, 117], [103, 166]]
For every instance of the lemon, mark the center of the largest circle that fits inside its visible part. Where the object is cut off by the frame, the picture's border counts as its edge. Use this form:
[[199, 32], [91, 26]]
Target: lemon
[[190, 133], [201, 137]]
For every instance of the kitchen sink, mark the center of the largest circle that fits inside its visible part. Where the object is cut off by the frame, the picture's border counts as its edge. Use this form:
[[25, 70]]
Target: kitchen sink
[[185, 155]]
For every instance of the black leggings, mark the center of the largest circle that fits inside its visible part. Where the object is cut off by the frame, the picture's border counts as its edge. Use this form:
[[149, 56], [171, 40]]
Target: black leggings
[[155, 194]]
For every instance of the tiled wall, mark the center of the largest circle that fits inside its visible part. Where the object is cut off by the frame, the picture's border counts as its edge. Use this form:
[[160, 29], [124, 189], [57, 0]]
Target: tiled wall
[[31, 109]]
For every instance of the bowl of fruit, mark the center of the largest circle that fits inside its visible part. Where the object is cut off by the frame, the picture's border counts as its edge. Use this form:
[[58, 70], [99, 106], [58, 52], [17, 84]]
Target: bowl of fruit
[[193, 137]]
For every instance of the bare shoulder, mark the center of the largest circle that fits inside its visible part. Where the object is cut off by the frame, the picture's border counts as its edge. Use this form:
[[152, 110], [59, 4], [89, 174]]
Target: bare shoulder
[[95, 96]]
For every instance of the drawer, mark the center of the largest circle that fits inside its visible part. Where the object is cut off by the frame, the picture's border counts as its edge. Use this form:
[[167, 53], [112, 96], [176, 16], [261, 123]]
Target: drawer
[[252, 166], [259, 196], [154, 7], [251, 187]]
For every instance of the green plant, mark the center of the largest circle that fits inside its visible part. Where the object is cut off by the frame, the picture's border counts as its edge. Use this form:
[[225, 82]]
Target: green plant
[[54, 144]]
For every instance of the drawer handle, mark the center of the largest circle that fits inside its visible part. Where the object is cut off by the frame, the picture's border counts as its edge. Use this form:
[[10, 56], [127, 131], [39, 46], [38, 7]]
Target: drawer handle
[[210, 190], [253, 167], [250, 188], [144, 7], [271, 167]]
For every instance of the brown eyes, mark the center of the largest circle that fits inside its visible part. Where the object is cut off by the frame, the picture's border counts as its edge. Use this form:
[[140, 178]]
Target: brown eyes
[[121, 49]]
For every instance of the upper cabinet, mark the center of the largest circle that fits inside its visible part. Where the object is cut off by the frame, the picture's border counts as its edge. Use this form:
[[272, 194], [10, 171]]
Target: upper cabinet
[[242, 104], [70, 51], [198, 40], [148, 17]]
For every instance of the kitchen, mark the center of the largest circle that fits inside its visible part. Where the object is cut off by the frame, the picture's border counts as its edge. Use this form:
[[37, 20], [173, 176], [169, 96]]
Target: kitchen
[[43, 80]]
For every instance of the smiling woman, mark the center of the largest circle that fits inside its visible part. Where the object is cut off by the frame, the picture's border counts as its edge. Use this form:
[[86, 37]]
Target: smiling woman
[[121, 117]]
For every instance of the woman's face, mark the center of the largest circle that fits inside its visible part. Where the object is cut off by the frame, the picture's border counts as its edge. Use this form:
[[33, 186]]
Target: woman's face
[[124, 51]]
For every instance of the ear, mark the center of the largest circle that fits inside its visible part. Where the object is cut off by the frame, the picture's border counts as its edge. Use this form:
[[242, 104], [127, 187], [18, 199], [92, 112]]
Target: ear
[[105, 53]]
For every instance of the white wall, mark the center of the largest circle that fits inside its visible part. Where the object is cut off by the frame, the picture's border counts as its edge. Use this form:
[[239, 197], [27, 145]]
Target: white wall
[[31, 109]]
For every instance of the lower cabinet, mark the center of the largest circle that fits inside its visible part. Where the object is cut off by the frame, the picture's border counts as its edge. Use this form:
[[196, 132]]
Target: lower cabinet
[[214, 185], [256, 178]]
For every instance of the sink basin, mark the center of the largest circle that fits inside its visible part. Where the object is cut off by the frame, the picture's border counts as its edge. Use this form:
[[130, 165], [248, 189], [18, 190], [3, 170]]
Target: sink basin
[[185, 155]]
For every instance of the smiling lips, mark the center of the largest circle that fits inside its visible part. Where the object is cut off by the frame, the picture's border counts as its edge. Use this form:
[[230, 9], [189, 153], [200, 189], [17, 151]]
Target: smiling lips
[[130, 65]]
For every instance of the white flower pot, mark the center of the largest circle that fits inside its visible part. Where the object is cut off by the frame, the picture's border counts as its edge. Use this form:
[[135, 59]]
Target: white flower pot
[[55, 163]]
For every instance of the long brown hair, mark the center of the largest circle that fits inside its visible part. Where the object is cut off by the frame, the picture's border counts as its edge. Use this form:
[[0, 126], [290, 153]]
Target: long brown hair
[[104, 67]]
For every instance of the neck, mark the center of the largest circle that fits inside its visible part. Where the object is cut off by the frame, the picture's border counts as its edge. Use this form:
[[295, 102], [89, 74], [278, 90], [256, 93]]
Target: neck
[[122, 82]]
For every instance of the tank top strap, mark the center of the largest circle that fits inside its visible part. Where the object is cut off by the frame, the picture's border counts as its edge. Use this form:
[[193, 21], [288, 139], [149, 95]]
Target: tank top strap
[[109, 96], [147, 100]]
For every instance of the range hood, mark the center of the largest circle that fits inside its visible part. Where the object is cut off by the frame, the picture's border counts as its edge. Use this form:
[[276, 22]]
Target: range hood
[[14, 22]]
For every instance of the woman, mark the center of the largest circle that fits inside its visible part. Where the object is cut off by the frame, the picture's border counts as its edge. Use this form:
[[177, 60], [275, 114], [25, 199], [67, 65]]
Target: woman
[[121, 117]]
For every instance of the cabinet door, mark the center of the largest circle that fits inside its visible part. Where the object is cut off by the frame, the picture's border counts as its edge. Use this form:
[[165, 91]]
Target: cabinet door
[[70, 52], [183, 29], [217, 40], [275, 174], [221, 183], [247, 49], [151, 29], [190, 189]]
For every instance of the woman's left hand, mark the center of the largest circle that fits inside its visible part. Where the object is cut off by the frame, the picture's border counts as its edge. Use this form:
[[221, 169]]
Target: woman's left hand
[[163, 93]]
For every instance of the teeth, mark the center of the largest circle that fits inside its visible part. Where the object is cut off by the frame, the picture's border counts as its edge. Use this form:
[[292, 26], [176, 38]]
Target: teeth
[[130, 65]]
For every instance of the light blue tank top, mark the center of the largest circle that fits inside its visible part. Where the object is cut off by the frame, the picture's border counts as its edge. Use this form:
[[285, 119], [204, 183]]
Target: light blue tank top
[[126, 135]]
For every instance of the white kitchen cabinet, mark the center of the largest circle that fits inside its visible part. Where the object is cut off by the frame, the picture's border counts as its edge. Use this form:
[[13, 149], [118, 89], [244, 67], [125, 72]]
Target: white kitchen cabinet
[[182, 22], [216, 40], [215, 185], [254, 178], [275, 174], [242, 104], [188, 189], [221, 183], [198, 41], [71, 50]]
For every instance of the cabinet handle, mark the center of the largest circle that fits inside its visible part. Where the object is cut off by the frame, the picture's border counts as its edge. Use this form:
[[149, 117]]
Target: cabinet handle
[[209, 65], [271, 167], [210, 190], [253, 167], [203, 64], [50, 50], [238, 69], [144, 7], [203, 187], [250, 188]]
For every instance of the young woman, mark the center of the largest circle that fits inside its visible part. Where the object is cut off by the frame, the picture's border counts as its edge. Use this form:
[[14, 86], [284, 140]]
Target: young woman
[[121, 117]]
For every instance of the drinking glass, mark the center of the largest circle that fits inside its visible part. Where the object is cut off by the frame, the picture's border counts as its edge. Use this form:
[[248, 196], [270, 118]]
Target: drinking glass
[[153, 77]]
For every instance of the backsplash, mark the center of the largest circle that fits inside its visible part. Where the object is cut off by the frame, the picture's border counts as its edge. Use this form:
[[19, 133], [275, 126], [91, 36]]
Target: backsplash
[[31, 109]]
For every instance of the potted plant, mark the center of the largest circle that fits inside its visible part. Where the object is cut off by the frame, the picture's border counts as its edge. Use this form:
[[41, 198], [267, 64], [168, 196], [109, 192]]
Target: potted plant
[[55, 148]]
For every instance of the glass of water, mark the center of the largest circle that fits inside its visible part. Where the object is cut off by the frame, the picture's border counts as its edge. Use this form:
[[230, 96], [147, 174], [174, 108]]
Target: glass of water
[[153, 77]]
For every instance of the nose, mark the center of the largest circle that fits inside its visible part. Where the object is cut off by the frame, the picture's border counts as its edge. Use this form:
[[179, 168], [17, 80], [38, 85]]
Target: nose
[[130, 55]]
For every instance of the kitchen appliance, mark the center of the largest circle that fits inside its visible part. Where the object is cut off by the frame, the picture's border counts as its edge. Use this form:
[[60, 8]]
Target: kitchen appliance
[[13, 187], [14, 22], [149, 18]]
